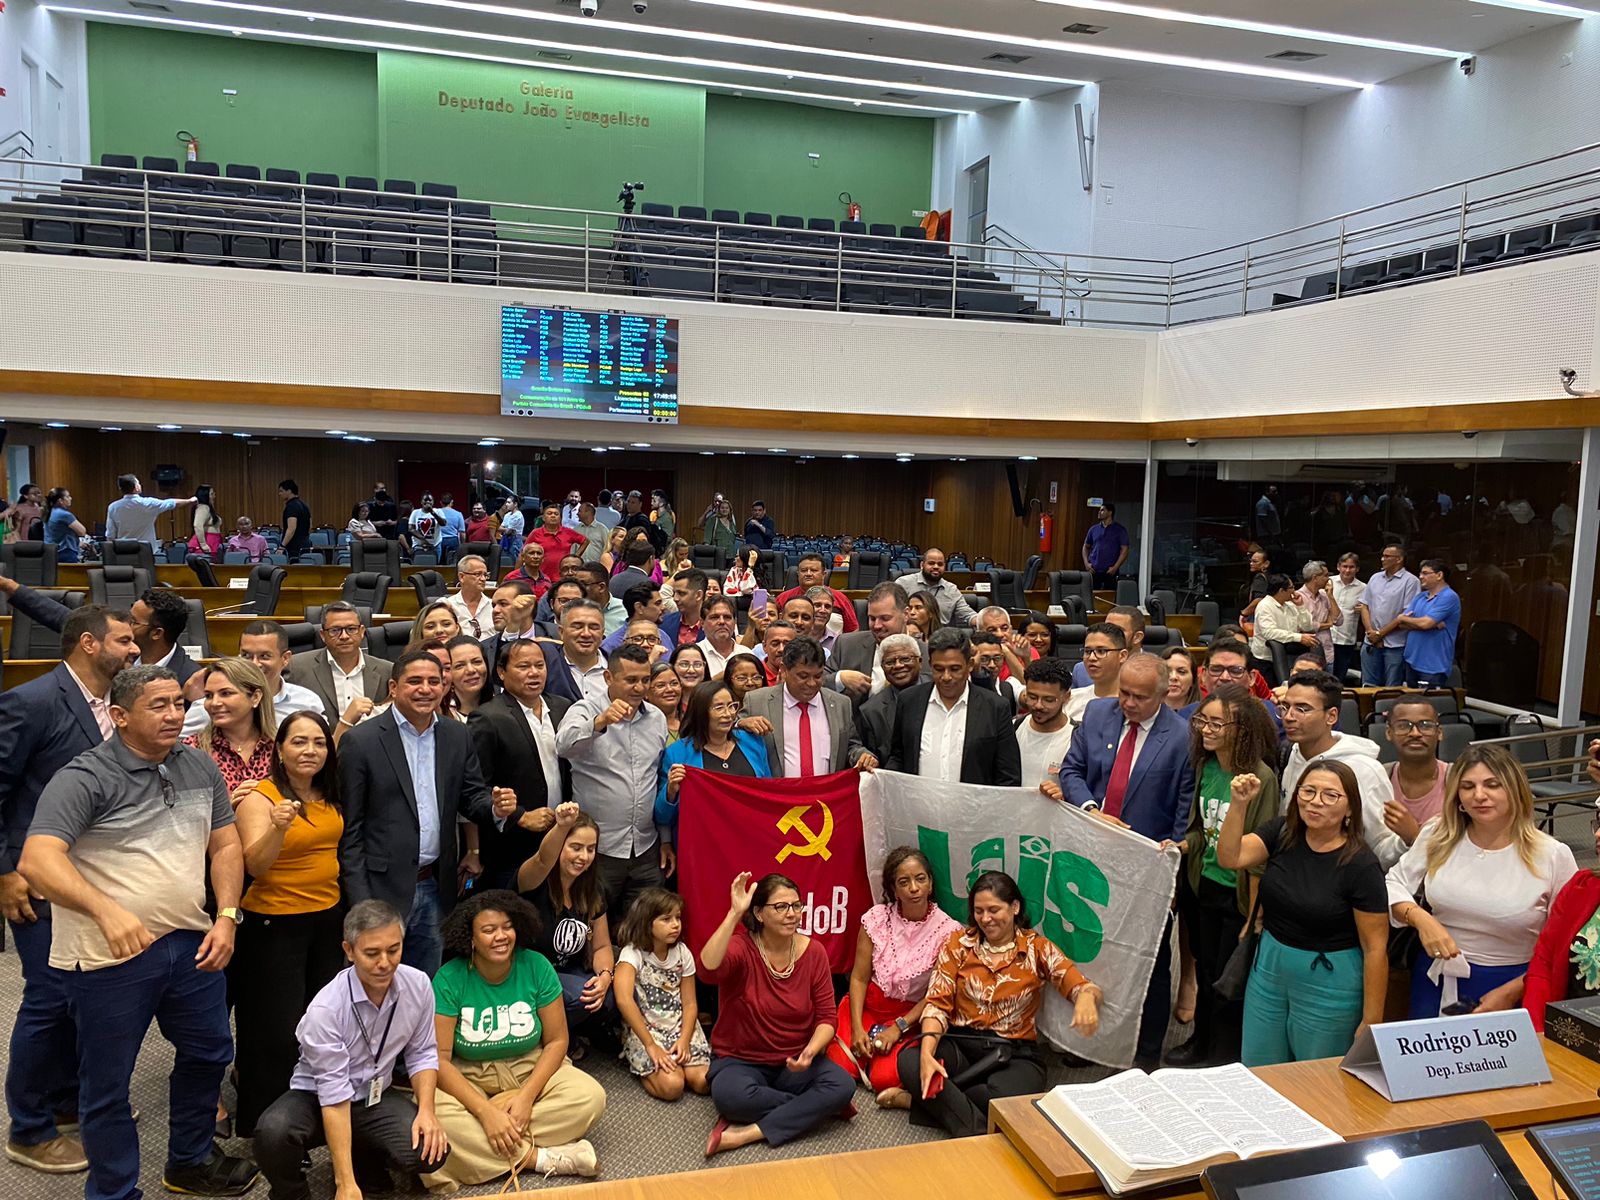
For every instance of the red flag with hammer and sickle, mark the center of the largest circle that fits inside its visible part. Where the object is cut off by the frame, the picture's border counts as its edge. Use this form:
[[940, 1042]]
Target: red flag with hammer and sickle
[[808, 829]]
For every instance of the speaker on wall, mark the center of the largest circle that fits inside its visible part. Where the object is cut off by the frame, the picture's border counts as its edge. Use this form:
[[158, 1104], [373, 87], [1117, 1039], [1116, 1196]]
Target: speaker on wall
[[1018, 506], [167, 473]]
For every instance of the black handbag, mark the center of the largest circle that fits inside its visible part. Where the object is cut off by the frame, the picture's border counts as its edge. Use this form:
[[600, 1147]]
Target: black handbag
[[1235, 975]]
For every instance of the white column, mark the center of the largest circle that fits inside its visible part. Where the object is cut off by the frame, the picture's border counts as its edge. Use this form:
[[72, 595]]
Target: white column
[[1147, 523], [1580, 591]]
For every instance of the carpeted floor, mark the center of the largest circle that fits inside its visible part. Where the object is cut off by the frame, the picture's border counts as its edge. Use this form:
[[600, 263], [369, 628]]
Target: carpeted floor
[[637, 1136]]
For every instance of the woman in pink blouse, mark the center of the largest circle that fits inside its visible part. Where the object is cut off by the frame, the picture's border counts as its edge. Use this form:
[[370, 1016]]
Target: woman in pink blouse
[[239, 738], [895, 951]]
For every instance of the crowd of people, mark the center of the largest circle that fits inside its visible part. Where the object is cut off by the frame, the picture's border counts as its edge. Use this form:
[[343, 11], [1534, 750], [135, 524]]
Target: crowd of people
[[429, 890]]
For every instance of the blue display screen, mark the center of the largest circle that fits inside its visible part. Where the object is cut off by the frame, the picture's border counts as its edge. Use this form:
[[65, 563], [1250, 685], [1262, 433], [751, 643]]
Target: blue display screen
[[563, 362]]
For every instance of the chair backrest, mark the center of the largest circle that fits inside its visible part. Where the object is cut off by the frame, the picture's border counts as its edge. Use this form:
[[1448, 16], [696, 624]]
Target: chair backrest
[[116, 586], [1073, 608], [488, 551], [1159, 637], [708, 557], [1456, 739], [261, 592], [32, 640], [1350, 716], [389, 639], [1444, 703], [366, 588], [1155, 609], [376, 554], [30, 563], [1210, 614], [201, 566], [1005, 589], [126, 552], [1030, 571], [868, 568], [314, 617], [774, 568], [194, 633], [430, 586], [1282, 661], [1069, 641], [302, 637], [1127, 591], [1072, 583]]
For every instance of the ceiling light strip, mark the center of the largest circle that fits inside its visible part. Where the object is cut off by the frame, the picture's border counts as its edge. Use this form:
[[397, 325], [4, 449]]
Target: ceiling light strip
[[730, 39], [1541, 6], [305, 14], [506, 60], [991, 38], [1290, 31]]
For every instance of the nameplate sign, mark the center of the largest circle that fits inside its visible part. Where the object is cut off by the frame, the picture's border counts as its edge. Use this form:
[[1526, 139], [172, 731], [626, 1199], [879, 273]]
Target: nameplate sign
[[239, 584], [1445, 1056]]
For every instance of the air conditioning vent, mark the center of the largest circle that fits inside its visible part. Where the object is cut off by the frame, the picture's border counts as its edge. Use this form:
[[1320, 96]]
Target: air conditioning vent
[[899, 95], [1012, 59], [555, 55], [148, 6], [1295, 56], [1084, 29]]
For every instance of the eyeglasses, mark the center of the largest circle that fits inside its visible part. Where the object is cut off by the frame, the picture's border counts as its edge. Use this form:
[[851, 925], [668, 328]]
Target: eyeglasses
[[1098, 651], [1310, 795], [785, 907], [1229, 672], [169, 793], [1209, 724], [473, 574], [341, 631], [725, 708], [1403, 726]]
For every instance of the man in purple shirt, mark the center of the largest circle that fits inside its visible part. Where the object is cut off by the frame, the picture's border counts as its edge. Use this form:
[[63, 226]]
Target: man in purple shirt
[[1105, 547], [355, 1030]]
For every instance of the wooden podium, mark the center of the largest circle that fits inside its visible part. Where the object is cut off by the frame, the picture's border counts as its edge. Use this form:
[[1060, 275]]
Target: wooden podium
[[1340, 1101]]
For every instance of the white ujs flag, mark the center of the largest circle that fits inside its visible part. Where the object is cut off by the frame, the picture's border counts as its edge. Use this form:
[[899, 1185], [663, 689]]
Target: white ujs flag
[[1100, 893]]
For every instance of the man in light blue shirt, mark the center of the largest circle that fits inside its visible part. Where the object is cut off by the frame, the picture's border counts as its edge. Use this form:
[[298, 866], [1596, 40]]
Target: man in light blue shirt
[[455, 528], [1388, 594], [133, 518], [1431, 620]]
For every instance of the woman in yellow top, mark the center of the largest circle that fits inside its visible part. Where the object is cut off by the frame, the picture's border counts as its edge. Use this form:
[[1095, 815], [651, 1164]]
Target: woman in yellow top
[[288, 945]]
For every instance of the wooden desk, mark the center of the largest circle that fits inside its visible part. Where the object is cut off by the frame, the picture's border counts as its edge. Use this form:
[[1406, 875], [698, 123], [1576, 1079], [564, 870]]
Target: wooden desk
[[1340, 1101], [75, 576]]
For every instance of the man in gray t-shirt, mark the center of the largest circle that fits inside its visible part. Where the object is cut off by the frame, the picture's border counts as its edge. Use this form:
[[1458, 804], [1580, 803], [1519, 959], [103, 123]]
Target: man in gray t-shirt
[[119, 844]]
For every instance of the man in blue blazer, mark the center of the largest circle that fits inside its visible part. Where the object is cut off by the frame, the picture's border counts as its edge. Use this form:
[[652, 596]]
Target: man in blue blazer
[[44, 725], [1129, 764]]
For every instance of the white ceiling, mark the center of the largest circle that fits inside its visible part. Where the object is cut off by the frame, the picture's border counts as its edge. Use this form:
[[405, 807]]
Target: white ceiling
[[948, 62]]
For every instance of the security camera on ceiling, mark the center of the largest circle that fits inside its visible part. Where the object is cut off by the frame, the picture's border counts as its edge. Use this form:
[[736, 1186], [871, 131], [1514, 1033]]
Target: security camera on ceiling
[[589, 7]]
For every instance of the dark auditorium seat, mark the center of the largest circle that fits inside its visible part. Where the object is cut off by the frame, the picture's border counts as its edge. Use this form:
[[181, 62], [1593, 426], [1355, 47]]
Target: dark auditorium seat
[[365, 589], [203, 570], [867, 569], [1005, 589], [429, 586], [127, 552], [30, 640], [381, 555], [262, 590], [29, 563], [117, 587]]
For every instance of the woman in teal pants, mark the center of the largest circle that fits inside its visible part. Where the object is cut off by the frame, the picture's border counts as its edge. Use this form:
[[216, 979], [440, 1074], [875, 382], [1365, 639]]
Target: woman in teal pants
[[1323, 963]]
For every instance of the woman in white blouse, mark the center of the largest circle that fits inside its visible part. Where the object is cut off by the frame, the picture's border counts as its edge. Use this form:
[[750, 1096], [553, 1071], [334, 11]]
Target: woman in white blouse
[[1488, 874]]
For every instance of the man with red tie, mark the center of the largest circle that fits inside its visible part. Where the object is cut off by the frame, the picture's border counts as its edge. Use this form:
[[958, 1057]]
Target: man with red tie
[[1129, 765], [808, 731]]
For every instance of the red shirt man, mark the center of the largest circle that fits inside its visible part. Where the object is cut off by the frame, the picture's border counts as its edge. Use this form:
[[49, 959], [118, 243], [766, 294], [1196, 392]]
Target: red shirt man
[[811, 573], [557, 540]]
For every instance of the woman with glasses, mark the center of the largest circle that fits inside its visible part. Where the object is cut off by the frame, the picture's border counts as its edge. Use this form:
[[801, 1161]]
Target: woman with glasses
[[1490, 875], [1322, 966], [689, 661], [239, 737], [1230, 735], [709, 740], [771, 1078], [1041, 634], [665, 693], [977, 1040], [743, 675], [1566, 958], [288, 946]]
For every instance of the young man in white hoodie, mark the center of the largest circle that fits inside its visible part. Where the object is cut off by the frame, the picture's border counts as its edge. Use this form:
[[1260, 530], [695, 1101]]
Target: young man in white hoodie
[[1310, 712]]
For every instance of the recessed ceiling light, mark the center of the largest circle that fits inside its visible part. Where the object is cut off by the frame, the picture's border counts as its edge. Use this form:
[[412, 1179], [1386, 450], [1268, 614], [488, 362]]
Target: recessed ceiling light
[[55, 425], [707, 453], [335, 432], [212, 432], [750, 43], [1540, 6], [241, 434], [1027, 458], [640, 445], [877, 21], [736, 452], [488, 441], [1309, 35], [614, 447], [409, 48], [168, 428], [776, 450], [599, 449], [850, 456], [111, 429]]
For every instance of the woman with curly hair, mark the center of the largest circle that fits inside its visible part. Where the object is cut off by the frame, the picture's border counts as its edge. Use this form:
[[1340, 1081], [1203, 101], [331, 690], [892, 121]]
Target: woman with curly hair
[[507, 1099]]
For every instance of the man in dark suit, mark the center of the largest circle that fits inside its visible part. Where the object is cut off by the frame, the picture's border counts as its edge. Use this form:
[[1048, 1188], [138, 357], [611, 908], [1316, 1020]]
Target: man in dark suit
[[405, 778], [901, 660], [855, 654], [512, 608], [44, 725], [808, 731], [515, 737], [159, 619], [1129, 765], [949, 729], [348, 681]]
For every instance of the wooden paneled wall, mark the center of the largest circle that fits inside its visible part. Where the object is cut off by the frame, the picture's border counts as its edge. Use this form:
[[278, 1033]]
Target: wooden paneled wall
[[973, 512]]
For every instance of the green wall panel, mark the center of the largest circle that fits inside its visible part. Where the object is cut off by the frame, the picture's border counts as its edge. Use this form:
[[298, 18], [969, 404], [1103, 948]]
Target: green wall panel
[[535, 136], [756, 158], [297, 106]]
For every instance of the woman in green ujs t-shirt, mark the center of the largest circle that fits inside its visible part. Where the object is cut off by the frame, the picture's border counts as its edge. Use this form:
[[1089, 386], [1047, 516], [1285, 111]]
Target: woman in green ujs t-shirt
[[508, 1098], [1230, 734]]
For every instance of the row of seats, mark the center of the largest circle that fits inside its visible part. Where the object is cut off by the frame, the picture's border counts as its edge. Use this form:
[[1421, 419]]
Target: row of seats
[[1569, 233], [243, 181], [784, 230]]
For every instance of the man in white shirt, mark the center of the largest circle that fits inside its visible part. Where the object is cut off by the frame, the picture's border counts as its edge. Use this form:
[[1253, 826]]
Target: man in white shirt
[[133, 518], [266, 644], [826, 625], [473, 609], [348, 682], [720, 643], [569, 510], [1282, 616], [1105, 649], [951, 731], [1348, 590], [1045, 734], [426, 525]]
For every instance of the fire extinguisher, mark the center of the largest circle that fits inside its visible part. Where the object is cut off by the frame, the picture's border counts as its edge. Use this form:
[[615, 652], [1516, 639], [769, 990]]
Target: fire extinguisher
[[1047, 529], [851, 208], [191, 144]]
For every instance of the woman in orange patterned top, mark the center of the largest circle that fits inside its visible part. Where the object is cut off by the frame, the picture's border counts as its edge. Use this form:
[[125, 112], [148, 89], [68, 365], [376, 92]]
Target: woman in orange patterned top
[[978, 1039]]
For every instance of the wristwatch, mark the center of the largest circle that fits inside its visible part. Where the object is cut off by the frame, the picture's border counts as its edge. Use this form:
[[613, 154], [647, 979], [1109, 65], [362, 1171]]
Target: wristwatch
[[236, 915], [901, 1024]]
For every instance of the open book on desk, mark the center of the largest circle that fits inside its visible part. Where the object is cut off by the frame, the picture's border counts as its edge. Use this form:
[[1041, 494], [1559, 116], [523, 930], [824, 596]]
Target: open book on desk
[[1139, 1131]]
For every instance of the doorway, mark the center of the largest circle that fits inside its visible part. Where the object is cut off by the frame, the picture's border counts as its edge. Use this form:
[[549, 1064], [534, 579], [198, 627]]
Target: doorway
[[977, 207]]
